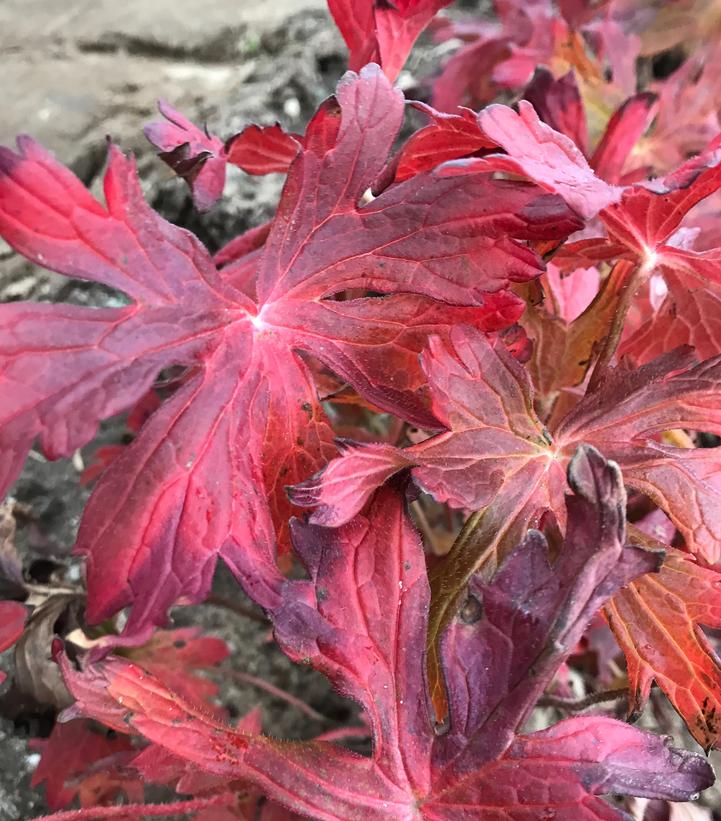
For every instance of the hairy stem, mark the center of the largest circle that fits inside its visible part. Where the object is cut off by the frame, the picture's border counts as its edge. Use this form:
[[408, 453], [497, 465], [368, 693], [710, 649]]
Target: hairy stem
[[141, 810], [240, 609], [261, 684], [576, 705]]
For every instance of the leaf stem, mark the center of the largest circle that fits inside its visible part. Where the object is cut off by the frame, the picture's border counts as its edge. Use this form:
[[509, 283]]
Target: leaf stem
[[426, 530], [262, 684], [141, 810], [239, 609], [633, 280], [576, 705]]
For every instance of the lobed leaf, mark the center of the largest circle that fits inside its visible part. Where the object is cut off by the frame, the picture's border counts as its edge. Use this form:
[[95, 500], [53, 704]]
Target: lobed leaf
[[194, 154], [205, 477], [380, 32], [531, 617], [546, 156], [658, 622]]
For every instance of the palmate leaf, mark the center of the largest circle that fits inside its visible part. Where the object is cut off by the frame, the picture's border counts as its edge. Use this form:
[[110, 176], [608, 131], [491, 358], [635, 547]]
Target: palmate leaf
[[206, 475], [644, 221], [658, 621], [689, 315], [375, 31], [200, 157], [81, 759], [497, 458], [178, 657], [194, 154], [495, 450], [361, 619], [559, 104], [446, 137], [496, 56], [550, 158], [646, 228]]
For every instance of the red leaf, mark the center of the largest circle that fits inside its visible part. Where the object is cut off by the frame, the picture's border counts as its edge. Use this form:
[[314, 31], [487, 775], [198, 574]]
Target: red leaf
[[349, 482], [644, 227], [12, 623], [206, 475], [13, 616], [263, 149], [658, 622], [546, 156], [338, 620], [176, 657], [624, 419], [448, 137], [688, 116], [494, 446], [467, 76], [559, 104], [240, 248], [497, 56], [496, 451], [687, 316], [158, 765], [80, 758], [572, 294], [649, 214], [195, 155], [377, 31], [200, 157], [622, 133]]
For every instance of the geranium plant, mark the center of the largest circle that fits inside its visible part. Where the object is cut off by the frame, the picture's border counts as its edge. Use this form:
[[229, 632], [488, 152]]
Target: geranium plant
[[449, 418]]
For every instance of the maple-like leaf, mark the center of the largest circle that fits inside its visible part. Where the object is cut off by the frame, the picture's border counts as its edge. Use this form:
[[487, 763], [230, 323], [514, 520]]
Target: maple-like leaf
[[201, 158], [646, 229], [496, 450], [559, 104], [82, 759], [495, 56], [194, 154], [503, 650], [497, 458], [13, 616], [546, 156], [177, 657], [158, 765], [546, 141], [447, 137], [624, 129], [206, 475], [690, 314], [688, 117], [570, 295], [377, 31], [658, 621], [260, 150]]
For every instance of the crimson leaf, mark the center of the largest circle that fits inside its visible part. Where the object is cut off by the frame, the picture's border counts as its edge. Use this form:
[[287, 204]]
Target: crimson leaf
[[195, 155], [206, 475], [13, 616], [377, 31], [504, 650], [497, 451]]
